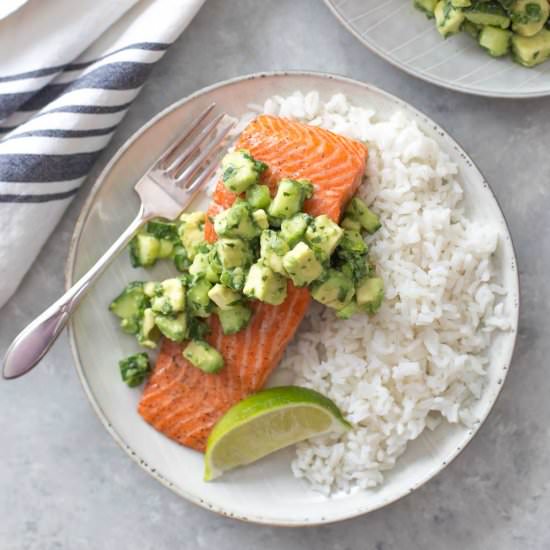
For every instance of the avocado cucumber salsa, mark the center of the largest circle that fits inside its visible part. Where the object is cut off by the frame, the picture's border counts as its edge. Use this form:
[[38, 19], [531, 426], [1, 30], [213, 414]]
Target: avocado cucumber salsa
[[521, 27], [262, 243]]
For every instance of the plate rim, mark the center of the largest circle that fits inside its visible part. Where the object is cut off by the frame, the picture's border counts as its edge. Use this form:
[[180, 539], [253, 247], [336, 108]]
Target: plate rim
[[442, 83], [69, 275]]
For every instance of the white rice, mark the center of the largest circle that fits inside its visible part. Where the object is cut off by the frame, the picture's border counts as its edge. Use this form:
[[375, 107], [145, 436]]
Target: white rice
[[422, 358]]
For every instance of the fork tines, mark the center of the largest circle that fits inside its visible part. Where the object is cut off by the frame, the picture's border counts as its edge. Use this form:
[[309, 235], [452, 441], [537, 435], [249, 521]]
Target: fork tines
[[194, 156]]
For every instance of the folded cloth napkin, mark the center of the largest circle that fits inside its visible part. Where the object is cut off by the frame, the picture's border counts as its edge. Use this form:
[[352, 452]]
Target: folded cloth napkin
[[8, 6], [69, 71]]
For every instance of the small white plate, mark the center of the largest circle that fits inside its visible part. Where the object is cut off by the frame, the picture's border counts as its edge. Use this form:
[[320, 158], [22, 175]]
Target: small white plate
[[404, 36], [265, 492]]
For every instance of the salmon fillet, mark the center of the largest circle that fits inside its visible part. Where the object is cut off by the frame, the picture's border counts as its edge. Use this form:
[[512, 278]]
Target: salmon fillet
[[179, 399]]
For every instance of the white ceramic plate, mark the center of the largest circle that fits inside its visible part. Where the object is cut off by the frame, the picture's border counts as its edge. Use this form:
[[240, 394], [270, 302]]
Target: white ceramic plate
[[265, 492], [404, 36]]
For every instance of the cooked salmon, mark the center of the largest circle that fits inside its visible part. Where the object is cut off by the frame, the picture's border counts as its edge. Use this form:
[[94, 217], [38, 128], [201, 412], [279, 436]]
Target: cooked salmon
[[179, 399]]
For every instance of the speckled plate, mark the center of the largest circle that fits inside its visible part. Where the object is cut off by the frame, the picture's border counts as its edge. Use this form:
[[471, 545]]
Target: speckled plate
[[402, 35], [265, 492]]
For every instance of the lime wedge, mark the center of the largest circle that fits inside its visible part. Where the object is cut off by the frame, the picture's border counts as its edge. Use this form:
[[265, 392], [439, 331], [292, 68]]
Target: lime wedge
[[266, 422]]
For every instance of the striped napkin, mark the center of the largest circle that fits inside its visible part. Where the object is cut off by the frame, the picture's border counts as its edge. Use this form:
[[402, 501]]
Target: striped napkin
[[69, 71]]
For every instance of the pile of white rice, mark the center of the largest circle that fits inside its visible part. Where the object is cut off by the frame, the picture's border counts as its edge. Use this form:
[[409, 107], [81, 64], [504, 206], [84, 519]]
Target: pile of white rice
[[422, 358]]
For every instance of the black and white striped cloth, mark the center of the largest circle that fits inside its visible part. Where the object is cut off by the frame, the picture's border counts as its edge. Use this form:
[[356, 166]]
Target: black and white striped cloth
[[69, 70]]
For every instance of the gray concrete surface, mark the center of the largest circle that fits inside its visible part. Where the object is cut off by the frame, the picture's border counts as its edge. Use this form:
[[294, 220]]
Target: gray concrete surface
[[64, 484]]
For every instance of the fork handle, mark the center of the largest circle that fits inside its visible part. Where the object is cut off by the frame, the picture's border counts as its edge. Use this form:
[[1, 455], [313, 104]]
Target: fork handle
[[34, 341]]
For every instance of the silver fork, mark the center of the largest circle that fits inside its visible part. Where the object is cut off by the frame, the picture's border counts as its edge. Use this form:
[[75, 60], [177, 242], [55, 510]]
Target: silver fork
[[165, 191]]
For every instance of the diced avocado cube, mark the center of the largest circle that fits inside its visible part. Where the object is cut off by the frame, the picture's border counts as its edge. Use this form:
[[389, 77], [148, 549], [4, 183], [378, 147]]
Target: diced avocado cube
[[370, 294], [272, 250], [427, 6], [353, 242], [461, 3], [214, 259], [206, 264], [148, 335], [323, 236], [236, 222], [191, 232], [483, 12], [234, 318], [198, 302], [172, 298], [144, 250], [200, 264], [496, 41], [347, 312], [223, 296], [335, 290], [233, 278], [359, 211], [130, 302], [293, 229], [533, 50], [166, 249], [212, 274], [302, 265], [240, 171], [163, 229], [203, 356], [448, 19], [289, 198], [233, 253], [260, 218], [173, 289], [529, 16], [351, 223], [181, 258], [173, 329], [192, 219], [265, 285], [258, 196], [130, 325], [152, 288], [134, 369]]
